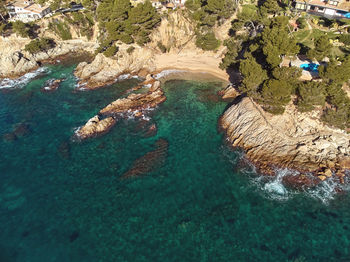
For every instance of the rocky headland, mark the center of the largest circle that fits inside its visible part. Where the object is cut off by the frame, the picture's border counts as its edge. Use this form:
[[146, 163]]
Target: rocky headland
[[292, 140], [15, 61]]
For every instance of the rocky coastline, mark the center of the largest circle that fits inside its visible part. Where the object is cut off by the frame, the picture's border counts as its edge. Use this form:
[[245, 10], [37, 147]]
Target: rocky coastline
[[15, 62], [293, 140], [135, 105]]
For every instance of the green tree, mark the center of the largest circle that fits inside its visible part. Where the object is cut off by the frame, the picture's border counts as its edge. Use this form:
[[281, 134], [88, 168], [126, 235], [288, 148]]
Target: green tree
[[233, 48], [322, 47], [39, 45], [193, 5], [276, 42], [276, 94], [270, 7], [21, 28], [253, 75], [335, 72], [221, 8], [2, 28], [110, 51], [207, 41], [310, 94]]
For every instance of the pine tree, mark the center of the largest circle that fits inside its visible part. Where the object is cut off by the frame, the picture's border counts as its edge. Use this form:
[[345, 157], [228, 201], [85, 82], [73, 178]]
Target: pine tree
[[322, 47], [253, 75]]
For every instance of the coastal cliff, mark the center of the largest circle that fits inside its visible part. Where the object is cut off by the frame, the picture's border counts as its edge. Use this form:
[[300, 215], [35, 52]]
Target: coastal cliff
[[15, 61], [292, 140]]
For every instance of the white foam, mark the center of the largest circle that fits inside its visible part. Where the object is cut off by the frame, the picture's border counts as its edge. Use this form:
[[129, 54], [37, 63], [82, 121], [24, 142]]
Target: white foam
[[167, 72], [275, 188], [124, 77], [23, 80]]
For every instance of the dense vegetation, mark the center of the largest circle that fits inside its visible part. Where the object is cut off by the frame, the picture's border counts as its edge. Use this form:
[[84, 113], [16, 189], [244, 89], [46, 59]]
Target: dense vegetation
[[39, 45], [120, 21], [206, 14], [61, 29], [261, 37]]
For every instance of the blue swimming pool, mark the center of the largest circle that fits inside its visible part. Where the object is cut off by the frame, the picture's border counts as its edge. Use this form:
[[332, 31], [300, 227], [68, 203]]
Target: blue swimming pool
[[311, 67]]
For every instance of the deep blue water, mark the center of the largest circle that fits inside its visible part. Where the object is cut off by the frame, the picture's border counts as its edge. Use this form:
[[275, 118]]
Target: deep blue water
[[62, 200]]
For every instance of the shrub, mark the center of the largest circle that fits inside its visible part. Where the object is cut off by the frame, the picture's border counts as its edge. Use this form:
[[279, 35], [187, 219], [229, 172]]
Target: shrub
[[20, 28], [61, 29], [161, 47], [207, 41], [130, 50], [345, 38], [301, 22], [39, 45], [110, 51], [2, 28]]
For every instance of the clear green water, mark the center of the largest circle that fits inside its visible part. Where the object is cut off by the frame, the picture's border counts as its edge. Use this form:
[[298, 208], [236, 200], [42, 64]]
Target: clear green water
[[65, 201]]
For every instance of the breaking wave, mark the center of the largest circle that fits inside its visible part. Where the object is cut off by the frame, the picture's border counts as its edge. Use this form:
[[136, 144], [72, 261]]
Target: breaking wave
[[23, 80], [165, 73], [272, 187]]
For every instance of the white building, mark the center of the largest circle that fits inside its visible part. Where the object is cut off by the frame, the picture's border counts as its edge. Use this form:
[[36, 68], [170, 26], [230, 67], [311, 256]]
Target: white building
[[26, 11]]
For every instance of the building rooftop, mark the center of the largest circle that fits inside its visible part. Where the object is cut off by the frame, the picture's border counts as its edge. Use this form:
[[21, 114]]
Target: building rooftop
[[343, 4], [28, 6]]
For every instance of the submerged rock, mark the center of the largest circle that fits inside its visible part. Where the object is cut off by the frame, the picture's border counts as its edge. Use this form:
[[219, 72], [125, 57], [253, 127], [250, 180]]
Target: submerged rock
[[9, 137], [150, 161], [64, 150], [21, 129], [292, 140]]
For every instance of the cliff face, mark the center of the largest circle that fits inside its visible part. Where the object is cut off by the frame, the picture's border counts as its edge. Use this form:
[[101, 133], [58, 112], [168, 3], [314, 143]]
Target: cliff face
[[14, 61], [292, 140], [103, 69]]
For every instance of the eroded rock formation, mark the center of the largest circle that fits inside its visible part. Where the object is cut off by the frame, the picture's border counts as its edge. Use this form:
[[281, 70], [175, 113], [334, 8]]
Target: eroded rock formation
[[292, 140], [15, 61], [134, 104]]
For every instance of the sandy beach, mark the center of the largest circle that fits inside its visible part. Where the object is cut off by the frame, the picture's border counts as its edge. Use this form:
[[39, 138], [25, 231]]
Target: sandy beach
[[192, 62]]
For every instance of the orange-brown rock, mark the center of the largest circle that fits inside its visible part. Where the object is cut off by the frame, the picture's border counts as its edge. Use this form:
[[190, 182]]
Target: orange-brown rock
[[300, 180], [133, 102]]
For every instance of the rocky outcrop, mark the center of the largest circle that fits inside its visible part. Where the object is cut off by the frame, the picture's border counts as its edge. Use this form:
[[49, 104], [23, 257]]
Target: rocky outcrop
[[137, 102], [15, 61], [95, 126], [103, 70], [292, 140], [52, 85], [136, 105], [229, 92]]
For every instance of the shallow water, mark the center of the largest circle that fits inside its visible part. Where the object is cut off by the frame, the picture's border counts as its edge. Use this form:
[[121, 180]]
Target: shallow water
[[62, 200]]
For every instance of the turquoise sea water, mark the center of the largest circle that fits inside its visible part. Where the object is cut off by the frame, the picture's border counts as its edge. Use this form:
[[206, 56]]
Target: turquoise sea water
[[62, 200]]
